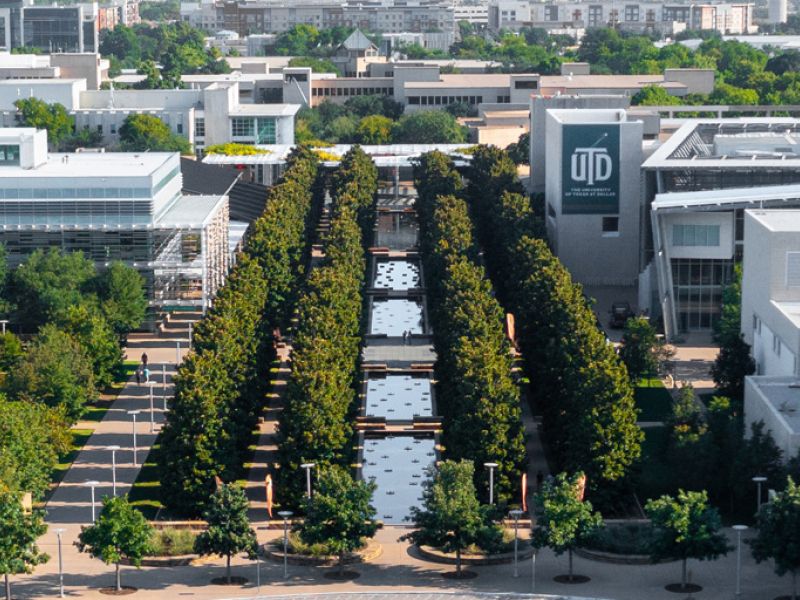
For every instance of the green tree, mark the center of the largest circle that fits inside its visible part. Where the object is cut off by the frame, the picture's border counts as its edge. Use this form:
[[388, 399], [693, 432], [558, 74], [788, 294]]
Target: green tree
[[11, 351], [98, 340], [641, 349], [49, 282], [140, 133], [687, 415], [300, 40], [56, 371], [654, 95], [32, 112], [339, 514], [520, 151], [122, 297], [778, 532], [18, 534], [428, 127], [32, 437], [732, 365], [452, 519], [318, 65], [120, 532], [229, 530], [685, 527], [566, 520], [374, 129]]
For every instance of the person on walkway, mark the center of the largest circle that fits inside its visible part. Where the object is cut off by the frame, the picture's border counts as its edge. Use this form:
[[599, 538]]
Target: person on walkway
[[144, 359], [138, 376], [146, 372]]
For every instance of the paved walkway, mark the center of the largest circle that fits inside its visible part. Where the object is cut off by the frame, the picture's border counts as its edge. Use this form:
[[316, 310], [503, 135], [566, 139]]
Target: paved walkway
[[398, 570]]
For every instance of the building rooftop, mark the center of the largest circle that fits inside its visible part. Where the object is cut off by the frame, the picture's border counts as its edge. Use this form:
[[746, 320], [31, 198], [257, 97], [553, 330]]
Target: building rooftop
[[264, 110], [750, 197], [92, 164], [782, 395], [785, 220], [731, 143], [189, 212], [606, 81], [472, 80]]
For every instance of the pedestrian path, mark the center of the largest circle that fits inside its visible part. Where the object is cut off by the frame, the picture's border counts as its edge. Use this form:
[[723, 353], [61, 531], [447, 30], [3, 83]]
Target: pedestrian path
[[71, 502]]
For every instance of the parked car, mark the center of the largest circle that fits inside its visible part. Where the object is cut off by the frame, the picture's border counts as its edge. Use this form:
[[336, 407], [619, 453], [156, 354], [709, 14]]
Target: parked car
[[620, 313]]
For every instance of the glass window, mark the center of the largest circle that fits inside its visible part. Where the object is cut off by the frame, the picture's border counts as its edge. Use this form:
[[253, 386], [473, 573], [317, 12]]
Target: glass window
[[695, 235], [9, 155], [243, 127], [610, 224]]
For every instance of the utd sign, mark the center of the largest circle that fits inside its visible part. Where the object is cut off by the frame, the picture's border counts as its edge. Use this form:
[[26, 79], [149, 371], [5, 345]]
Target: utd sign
[[590, 170]]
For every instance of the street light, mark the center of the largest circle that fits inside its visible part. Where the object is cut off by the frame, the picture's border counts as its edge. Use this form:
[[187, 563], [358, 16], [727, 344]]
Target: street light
[[758, 481], [113, 469], [59, 531], [177, 353], [92, 484], [739, 529], [152, 384], [4, 322], [308, 467], [491, 466], [285, 514], [164, 384], [133, 414], [516, 514]]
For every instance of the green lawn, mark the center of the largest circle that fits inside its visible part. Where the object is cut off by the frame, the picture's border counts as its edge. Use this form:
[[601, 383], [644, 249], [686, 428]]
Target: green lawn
[[146, 492], [79, 438], [653, 400], [96, 411]]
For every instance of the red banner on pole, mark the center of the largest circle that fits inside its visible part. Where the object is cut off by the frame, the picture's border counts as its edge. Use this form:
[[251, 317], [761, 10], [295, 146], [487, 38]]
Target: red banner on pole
[[524, 492]]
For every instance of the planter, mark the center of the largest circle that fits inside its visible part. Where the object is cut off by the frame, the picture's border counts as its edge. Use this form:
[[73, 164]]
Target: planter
[[372, 551], [183, 560], [616, 559], [433, 555]]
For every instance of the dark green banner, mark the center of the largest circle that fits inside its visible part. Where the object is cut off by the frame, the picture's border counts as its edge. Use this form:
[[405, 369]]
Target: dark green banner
[[590, 170]]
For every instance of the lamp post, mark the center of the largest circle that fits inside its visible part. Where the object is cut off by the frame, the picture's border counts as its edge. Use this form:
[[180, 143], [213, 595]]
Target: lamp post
[[308, 467], [190, 335], [759, 479], [285, 514], [164, 385], [133, 414], [113, 469], [4, 322], [92, 484], [151, 384], [516, 514], [491, 466], [739, 529], [177, 353], [59, 531], [533, 571]]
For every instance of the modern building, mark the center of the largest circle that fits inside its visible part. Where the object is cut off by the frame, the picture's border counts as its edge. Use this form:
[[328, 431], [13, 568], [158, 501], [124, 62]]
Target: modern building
[[775, 402], [697, 185], [638, 17], [275, 16], [208, 116], [114, 206], [593, 194]]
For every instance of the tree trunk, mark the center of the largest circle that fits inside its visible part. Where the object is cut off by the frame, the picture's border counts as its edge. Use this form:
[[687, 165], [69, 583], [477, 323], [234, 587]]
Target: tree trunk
[[228, 569], [458, 561], [119, 581], [8, 588], [683, 574], [570, 564]]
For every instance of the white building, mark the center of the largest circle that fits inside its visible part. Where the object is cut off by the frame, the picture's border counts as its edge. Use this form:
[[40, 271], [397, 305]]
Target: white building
[[640, 17], [212, 115], [114, 206], [775, 401]]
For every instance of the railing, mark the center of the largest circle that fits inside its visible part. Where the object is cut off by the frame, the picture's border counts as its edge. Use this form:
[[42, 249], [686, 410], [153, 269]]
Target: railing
[[764, 110]]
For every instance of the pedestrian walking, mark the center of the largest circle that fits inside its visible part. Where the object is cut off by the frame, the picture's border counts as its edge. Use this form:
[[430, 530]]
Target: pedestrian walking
[[144, 359], [138, 377], [146, 375]]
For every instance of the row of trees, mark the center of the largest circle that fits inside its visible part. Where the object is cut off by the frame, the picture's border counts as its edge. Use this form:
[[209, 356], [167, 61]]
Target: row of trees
[[577, 380], [220, 387], [376, 120], [314, 425], [477, 395]]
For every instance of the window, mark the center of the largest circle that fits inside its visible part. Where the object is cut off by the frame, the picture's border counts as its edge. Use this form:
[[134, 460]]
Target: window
[[113, 128], [632, 12], [610, 225], [595, 16], [695, 235], [551, 13], [199, 127], [776, 345], [9, 155], [179, 127], [792, 269], [526, 85], [242, 127]]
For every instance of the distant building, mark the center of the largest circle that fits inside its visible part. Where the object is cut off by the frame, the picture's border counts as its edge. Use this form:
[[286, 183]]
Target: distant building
[[114, 206], [638, 17]]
